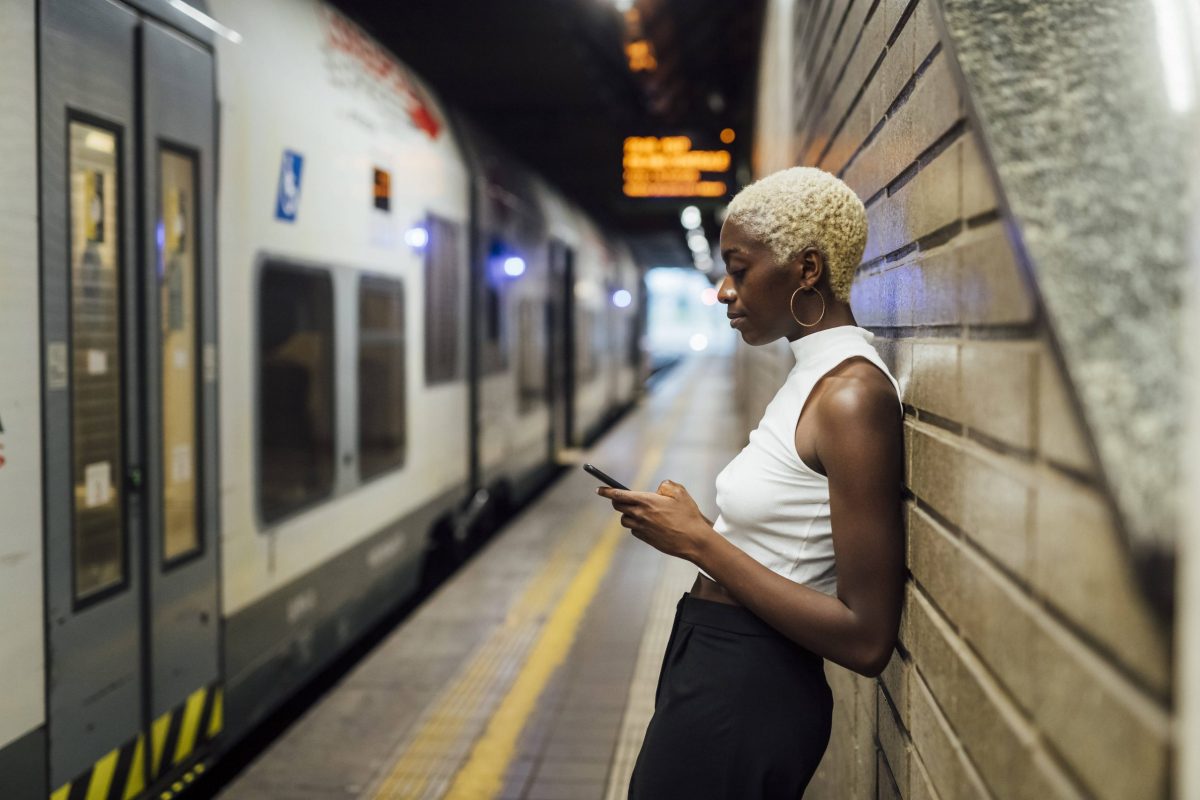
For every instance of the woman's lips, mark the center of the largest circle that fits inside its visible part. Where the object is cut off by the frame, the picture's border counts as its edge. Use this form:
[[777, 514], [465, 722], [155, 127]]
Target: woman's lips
[[736, 320]]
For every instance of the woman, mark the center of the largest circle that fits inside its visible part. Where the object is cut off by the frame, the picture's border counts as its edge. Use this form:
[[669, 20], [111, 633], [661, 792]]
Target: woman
[[806, 559]]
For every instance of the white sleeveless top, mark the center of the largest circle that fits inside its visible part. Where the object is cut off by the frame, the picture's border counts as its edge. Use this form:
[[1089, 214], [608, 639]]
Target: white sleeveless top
[[772, 505]]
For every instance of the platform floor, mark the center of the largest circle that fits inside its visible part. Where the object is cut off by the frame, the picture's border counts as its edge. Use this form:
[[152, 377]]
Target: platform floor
[[530, 674]]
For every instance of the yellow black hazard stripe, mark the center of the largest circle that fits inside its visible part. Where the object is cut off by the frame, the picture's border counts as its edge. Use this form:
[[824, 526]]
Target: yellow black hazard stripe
[[174, 737], [119, 775]]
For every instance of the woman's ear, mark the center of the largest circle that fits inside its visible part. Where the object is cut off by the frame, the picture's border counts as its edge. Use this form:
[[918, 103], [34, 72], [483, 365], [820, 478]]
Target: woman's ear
[[811, 267]]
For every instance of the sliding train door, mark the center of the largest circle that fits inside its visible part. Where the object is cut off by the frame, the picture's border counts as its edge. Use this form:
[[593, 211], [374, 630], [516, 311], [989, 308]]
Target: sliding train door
[[178, 329], [127, 143]]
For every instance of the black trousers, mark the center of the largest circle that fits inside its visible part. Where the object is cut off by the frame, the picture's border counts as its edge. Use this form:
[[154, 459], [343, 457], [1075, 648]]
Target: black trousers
[[741, 712]]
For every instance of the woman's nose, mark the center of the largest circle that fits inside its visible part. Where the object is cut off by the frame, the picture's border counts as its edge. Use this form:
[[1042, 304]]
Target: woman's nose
[[725, 293]]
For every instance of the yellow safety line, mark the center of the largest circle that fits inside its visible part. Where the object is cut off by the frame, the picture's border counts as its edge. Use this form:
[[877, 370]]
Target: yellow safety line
[[483, 774], [444, 724], [489, 758]]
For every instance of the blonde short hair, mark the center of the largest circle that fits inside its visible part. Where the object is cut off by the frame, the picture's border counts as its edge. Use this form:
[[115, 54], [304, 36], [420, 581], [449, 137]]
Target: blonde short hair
[[802, 207]]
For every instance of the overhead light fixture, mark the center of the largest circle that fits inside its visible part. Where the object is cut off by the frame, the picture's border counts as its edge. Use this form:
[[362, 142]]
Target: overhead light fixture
[[206, 21]]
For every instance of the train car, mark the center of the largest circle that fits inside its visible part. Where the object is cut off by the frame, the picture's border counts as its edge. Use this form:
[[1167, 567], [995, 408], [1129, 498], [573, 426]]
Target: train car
[[296, 324], [550, 343]]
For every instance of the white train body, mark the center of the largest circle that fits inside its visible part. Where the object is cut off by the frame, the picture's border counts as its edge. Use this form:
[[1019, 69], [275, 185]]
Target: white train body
[[309, 343]]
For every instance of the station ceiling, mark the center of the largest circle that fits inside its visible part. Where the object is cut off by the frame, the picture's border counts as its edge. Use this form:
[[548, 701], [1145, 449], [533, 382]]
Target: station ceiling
[[553, 82]]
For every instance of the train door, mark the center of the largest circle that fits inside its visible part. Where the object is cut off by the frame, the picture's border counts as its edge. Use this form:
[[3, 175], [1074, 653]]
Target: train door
[[560, 354], [127, 140]]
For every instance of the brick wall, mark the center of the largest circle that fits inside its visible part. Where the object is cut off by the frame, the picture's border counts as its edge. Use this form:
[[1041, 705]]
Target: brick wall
[[1029, 665]]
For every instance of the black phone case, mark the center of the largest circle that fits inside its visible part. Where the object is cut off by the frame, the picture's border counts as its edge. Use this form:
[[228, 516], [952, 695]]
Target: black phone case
[[593, 471]]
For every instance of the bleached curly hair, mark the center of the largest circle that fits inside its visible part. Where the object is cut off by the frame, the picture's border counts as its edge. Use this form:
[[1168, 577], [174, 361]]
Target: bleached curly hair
[[804, 207]]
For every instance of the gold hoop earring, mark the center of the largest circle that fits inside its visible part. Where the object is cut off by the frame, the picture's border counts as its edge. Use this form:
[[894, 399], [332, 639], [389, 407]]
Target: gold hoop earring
[[793, 300]]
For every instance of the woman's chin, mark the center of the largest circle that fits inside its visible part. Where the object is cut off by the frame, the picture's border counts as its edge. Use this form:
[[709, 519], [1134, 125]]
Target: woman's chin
[[749, 339]]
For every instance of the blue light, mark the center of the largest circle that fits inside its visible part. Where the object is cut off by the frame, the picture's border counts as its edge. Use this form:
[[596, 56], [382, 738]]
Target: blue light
[[160, 237], [514, 266], [621, 298], [416, 237]]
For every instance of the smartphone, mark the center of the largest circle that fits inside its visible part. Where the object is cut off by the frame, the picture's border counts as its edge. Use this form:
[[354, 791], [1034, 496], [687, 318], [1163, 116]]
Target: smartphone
[[589, 469]]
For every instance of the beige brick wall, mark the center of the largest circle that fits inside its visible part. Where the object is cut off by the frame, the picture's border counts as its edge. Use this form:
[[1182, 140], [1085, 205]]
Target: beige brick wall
[[1029, 665]]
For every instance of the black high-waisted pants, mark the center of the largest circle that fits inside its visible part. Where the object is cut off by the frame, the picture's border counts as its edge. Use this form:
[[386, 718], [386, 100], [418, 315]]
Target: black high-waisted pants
[[741, 712]]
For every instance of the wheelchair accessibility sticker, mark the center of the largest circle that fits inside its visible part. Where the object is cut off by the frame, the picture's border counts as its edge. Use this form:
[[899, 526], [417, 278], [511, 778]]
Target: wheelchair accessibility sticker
[[287, 200]]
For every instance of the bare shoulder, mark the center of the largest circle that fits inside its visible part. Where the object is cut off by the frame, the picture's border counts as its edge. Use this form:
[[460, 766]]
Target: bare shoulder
[[858, 392]]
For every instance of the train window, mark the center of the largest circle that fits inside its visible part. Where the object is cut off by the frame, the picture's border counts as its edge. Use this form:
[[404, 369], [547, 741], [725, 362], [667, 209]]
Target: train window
[[295, 387], [98, 469], [177, 328], [381, 395], [531, 354], [443, 301]]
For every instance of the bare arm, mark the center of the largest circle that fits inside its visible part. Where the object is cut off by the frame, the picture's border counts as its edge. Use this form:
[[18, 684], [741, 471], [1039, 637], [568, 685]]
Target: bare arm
[[860, 443]]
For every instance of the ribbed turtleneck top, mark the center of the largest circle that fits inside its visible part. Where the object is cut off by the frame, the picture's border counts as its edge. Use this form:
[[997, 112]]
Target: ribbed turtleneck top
[[772, 505]]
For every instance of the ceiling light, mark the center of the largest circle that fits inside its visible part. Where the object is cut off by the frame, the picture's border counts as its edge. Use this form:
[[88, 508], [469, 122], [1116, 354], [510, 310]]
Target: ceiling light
[[690, 217]]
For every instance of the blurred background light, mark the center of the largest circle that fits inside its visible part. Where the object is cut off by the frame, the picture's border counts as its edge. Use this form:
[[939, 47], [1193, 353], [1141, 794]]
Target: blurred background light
[[690, 217], [621, 298], [416, 237], [698, 342], [514, 266]]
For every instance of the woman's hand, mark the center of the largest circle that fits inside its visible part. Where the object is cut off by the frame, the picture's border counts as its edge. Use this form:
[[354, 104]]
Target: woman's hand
[[668, 520]]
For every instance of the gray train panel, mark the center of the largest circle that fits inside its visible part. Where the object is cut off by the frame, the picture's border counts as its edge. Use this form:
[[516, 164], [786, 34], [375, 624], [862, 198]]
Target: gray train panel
[[93, 520], [178, 274], [275, 645]]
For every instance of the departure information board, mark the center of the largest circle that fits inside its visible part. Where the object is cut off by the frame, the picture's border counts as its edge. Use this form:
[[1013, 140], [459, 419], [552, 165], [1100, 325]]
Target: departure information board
[[668, 166]]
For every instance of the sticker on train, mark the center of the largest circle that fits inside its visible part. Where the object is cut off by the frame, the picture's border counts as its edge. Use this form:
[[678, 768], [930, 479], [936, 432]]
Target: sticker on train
[[97, 480], [287, 201], [56, 365], [383, 190]]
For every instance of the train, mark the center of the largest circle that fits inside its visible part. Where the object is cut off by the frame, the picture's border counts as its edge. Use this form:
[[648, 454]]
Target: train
[[278, 327]]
